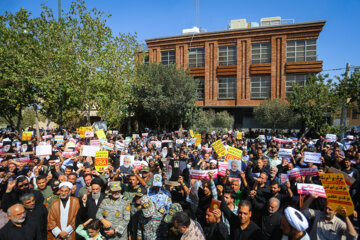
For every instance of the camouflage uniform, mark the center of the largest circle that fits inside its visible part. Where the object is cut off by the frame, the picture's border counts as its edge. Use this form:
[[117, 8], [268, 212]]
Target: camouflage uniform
[[150, 223], [162, 199], [130, 193], [116, 211]]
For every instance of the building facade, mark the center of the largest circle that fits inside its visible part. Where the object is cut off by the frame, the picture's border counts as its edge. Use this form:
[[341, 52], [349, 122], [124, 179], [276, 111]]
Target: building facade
[[237, 69]]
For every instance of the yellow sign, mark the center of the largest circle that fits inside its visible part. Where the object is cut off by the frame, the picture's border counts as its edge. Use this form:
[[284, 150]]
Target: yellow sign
[[219, 148], [26, 136], [239, 135], [191, 133], [337, 192], [82, 131], [198, 139], [233, 154], [101, 160], [100, 134]]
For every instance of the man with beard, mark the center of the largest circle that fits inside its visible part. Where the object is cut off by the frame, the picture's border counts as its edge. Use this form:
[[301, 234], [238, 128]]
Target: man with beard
[[91, 202], [326, 225], [214, 228], [241, 226], [62, 214], [17, 188], [188, 228], [114, 214], [18, 227], [270, 222], [35, 213]]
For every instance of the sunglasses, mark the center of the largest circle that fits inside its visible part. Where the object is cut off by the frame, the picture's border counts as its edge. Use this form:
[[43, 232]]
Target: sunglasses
[[23, 185]]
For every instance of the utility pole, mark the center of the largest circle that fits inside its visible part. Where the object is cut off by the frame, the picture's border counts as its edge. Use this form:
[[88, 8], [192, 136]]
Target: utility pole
[[343, 107], [61, 102]]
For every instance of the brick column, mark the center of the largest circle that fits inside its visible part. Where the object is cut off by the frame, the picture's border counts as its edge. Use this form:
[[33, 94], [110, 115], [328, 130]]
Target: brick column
[[243, 70], [211, 62], [278, 60], [181, 56]]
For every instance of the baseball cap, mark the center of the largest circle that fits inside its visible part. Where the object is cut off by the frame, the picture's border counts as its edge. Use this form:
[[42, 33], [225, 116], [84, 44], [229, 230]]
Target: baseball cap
[[147, 206], [141, 191], [145, 169], [174, 208], [115, 186]]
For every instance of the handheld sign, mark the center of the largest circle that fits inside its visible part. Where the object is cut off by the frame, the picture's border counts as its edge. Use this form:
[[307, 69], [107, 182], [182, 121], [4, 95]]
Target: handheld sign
[[312, 157], [101, 160], [219, 148], [26, 136]]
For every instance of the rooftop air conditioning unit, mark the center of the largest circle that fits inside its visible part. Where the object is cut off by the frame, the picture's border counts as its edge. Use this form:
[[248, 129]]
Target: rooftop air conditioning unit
[[238, 24], [191, 30], [270, 21]]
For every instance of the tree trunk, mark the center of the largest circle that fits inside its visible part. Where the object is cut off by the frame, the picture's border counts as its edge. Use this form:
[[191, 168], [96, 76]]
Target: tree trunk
[[19, 119], [88, 123], [37, 123]]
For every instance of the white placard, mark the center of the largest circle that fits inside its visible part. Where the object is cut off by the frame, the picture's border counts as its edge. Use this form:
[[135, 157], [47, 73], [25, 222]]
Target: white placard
[[312, 157], [43, 150], [331, 137], [285, 153], [89, 151]]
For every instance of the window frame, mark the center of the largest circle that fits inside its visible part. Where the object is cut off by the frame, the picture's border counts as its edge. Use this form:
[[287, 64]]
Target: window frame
[[260, 87], [264, 50], [227, 94], [202, 88], [308, 45], [289, 82], [227, 62], [198, 62], [168, 58]]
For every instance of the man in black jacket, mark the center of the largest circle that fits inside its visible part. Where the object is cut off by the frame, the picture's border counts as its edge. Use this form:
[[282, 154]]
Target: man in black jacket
[[270, 222], [241, 227], [215, 229]]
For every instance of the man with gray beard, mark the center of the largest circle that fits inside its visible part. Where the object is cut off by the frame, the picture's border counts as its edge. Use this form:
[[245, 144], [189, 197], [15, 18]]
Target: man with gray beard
[[18, 226], [62, 214], [90, 202], [270, 223], [36, 213]]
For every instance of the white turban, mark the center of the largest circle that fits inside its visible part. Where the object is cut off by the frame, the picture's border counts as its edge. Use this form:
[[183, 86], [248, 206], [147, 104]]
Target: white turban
[[296, 219], [66, 184]]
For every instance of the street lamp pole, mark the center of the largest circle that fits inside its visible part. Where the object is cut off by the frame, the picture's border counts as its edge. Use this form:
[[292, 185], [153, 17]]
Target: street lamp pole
[[61, 102]]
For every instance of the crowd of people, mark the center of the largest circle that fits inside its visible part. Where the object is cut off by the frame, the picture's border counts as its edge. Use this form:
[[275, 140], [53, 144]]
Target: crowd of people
[[148, 190]]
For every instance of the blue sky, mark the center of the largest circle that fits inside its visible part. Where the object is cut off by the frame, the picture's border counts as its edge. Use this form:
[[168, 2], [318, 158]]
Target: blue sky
[[338, 43]]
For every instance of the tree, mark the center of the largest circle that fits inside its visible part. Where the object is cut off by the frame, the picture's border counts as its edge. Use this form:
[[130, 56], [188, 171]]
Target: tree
[[315, 102], [162, 96], [209, 120], [275, 113]]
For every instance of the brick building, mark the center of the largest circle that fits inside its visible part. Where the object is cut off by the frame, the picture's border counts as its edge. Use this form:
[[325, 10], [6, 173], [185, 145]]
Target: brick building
[[239, 68]]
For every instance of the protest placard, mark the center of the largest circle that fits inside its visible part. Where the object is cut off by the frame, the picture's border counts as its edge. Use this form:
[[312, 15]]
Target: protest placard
[[198, 139], [285, 153], [156, 143], [145, 134], [137, 165], [348, 179], [47, 137], [68, 154], [120, 146], [95, 143], [331, 137], [22, 160], [100, 134], [239, 135], [179, 141], [337, 192], [222, 167], [71, 143], [298, 172], [191, 133], [108, 146], [311, 189], [26, 136], [59, 138], [89, 150], [89, 134], [219, 148], [233, 154], [43, 150], [283, 178], [312, 157], [262, 137], [101, 160], [135, 136], [200, 174]]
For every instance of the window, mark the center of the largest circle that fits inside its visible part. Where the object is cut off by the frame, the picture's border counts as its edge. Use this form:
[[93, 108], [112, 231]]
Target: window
[[227, 55], [146, 59], [355, 114], [197, 57], [227, 88], [168, 57], [292, 79], [301, 50], [260, 53], [260, 87], [201, 88]]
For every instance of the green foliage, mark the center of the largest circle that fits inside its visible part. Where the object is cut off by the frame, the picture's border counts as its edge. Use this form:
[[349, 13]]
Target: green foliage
[[275, 113], [162, 96], [315, 102], [209, 120], [78, 56], [348, 89]]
